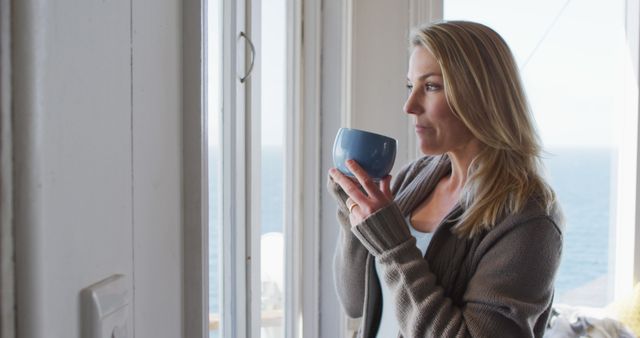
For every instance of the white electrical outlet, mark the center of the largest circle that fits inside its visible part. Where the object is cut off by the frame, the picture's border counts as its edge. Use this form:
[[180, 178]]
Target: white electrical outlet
[[105, 309]]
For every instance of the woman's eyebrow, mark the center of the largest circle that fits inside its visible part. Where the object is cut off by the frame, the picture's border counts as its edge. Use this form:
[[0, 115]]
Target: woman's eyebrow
[[427, 75]]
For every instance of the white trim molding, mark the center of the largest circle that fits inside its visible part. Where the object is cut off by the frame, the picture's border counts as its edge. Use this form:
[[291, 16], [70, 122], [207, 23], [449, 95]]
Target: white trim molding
[[424, 11], [625, 235], [195, 181], [628, 238], [293, 203], [311, 180], [28, 120], [346, 107], [7, 276], [633, 40], [251, 47], [346, 82], [302, 218], [235, 262]]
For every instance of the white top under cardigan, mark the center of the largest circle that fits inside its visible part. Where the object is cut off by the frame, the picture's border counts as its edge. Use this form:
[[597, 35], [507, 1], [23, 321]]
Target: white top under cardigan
[[388, 322]]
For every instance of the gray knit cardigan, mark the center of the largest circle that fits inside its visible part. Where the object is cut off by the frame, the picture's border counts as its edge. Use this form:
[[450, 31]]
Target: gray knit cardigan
[[497, 284]]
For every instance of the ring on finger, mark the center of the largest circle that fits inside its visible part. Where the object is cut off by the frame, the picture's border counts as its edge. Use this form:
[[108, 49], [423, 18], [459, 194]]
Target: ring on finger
[[352, 205]]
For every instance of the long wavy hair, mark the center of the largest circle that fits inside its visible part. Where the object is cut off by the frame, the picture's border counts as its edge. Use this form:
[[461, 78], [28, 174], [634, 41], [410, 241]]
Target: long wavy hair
[[484, 90]]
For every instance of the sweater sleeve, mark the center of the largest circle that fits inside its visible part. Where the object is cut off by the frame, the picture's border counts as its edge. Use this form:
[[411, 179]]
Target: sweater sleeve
[[349, 261], [512, 285]]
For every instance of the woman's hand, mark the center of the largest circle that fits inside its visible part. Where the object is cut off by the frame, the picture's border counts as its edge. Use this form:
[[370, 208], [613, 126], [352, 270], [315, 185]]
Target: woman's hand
[[362, 204]]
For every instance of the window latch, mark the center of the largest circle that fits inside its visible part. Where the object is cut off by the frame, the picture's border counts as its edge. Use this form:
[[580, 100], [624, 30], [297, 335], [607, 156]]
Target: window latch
[[253, 57]]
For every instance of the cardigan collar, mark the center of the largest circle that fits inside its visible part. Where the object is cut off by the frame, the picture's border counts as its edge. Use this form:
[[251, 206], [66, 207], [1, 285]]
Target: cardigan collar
[[424, 183]]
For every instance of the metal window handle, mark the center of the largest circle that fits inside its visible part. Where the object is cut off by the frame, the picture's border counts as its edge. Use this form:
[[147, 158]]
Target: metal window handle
[[253, 57]]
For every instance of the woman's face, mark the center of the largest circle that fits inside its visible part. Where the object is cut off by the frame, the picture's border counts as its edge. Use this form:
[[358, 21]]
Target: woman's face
[[438, 130]]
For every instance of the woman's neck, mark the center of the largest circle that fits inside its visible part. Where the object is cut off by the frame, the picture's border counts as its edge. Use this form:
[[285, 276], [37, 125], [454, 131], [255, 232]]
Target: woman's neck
[[461, 159]]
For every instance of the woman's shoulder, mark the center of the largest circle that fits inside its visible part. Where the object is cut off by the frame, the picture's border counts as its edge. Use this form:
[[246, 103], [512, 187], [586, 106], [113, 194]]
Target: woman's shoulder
[[533, 229], [537, 213]]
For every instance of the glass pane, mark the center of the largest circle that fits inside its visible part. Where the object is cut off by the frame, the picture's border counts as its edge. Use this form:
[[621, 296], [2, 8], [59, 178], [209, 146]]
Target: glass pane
[[273, 86], [214, 81], [570, 68]]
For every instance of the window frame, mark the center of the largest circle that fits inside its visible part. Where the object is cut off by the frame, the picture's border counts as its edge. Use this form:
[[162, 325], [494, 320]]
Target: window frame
[[303, 130], [627, 238], [7, 237], [195, 199], [240, 193], [237, 259]]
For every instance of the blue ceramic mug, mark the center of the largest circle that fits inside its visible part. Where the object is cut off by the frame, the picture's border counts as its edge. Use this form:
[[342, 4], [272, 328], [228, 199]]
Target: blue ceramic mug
[[375, 153]]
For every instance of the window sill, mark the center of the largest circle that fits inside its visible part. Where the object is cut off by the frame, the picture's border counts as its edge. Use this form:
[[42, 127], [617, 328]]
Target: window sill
[[270, 318]]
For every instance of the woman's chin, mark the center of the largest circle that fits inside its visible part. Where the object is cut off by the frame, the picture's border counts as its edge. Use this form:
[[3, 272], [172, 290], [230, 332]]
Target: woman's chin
[[430, 151]]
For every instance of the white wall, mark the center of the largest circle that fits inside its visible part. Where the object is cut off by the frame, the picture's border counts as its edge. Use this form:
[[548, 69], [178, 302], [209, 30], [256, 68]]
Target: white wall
[[380, 49], [97, 139], [157, 161]]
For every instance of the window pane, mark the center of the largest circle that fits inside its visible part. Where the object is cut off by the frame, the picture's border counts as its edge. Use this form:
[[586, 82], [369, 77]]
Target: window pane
[[214, 80], [272, 87], [572, 78]]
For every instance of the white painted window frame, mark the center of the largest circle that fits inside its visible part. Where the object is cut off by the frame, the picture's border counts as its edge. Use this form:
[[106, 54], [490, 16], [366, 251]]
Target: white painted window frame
[[7, 250], [627, 238], [195, 183], [241, 126], [239, 256], [302, 197]]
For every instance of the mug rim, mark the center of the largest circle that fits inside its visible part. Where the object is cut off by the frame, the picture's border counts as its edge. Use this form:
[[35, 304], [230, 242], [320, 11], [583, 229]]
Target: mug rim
[[368, 132]]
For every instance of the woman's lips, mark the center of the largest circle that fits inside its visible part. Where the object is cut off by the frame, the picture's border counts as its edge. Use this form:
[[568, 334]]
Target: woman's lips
[[420, 128]]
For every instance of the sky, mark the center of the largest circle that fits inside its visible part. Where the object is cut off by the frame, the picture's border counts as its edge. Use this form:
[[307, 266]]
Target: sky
[[570, 55]]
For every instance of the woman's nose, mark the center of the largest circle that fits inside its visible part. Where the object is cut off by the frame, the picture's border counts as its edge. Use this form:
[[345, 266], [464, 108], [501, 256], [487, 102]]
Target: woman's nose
[[413, 105]]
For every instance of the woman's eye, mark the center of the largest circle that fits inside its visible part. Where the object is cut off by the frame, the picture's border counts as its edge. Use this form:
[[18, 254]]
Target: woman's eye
[[431, 87]]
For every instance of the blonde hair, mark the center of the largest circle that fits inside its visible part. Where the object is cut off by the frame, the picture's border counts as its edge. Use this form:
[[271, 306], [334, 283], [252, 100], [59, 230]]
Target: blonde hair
[[484, 90]]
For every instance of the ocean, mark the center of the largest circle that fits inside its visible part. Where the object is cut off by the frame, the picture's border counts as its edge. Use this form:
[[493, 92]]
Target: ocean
[[582, 180], [580, 177]]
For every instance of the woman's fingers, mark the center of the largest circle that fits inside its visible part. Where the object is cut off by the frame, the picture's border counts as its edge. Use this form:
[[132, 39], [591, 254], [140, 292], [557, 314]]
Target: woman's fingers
[[357, 215], [350, 187], [360, 203], [365, 180], [385, 186]]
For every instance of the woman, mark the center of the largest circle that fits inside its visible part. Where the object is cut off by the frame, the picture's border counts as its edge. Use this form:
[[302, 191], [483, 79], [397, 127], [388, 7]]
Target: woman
[[468, 240]]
